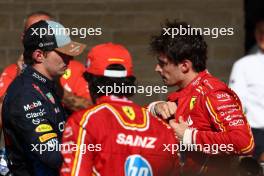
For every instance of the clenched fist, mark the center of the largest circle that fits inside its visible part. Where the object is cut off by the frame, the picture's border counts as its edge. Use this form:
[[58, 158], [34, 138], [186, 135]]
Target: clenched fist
[[165, 109]]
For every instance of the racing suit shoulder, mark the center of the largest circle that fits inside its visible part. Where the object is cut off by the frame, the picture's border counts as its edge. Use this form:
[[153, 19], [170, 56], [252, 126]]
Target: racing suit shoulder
[[210, 85], [83, 118], [223, 108], [82, 130]]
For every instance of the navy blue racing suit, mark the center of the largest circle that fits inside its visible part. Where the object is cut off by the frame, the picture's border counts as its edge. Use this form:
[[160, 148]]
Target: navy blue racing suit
[[33, 122]]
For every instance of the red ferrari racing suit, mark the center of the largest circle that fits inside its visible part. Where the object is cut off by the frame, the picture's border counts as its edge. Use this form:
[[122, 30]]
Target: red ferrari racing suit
[[118, 138], [217, 124]]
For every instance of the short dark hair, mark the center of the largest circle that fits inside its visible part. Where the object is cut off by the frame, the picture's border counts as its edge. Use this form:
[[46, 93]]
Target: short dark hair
[[28, 57], [95, 82], [180, 47]]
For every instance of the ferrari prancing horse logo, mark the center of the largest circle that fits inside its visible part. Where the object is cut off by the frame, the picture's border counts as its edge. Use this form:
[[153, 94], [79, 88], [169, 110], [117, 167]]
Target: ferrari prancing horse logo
[[129, 111], [192, 102]]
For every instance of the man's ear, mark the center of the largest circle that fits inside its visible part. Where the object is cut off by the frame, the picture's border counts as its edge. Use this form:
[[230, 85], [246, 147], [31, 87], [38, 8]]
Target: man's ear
[[38, 56], [186, 65]]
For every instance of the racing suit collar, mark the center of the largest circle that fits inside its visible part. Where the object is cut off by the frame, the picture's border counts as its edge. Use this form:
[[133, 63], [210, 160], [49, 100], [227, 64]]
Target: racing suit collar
[[38, 77], [112, 98], [185, 91]]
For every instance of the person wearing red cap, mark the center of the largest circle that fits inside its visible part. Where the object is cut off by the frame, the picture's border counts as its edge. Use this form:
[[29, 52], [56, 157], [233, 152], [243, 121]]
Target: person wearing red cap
[[115, 136]]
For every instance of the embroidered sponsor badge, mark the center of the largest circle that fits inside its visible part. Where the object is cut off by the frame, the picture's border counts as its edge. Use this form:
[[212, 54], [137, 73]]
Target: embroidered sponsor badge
[[45, 137], [50, 97], [137, 165], [43, 128], [192, 102], [129, 111], [67, 74]]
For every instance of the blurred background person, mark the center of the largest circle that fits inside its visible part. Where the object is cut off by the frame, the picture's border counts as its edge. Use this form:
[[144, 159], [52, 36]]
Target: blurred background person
[[247, 81]]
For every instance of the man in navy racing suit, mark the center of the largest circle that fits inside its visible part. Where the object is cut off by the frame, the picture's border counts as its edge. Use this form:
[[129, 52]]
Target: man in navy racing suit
[[33, 117]]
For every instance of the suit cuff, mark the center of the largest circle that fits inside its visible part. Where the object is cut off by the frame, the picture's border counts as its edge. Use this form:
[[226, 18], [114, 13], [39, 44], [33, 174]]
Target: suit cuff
[[187, 137], [151, 107]]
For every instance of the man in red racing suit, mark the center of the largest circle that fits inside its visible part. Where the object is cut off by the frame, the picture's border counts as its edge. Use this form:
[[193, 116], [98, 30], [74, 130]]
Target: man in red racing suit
[[116, 137], [204, 113], [215, 122]]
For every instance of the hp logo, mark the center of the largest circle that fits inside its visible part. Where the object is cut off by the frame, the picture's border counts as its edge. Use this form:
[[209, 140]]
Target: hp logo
[[136, 165]]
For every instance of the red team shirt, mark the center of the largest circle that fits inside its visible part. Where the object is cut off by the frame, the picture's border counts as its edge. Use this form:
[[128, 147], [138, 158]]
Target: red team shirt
[[72, 80], [7, 76], [124, 140], [214, 114]]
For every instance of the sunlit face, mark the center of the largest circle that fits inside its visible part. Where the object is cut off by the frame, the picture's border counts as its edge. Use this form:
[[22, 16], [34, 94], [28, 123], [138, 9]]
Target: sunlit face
[[259, 35], [56, 63], [170, 72]]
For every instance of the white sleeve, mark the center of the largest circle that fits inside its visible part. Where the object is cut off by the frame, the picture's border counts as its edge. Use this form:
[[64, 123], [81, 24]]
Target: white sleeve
[[238, 82]]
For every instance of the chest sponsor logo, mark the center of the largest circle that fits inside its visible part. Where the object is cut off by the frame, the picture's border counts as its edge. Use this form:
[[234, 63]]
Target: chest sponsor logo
[[61, 126], [136, 141], [192, 102], [43, 128], [48, 136], [136, 165], [39, 77], [57, 110], [227, 106], [51, 98], [129, 111], [230, 117], [189, 121], [67, 74], [228, 112], [237, 122], [32, 105], [223, 97], [36, 121], [36, 114]]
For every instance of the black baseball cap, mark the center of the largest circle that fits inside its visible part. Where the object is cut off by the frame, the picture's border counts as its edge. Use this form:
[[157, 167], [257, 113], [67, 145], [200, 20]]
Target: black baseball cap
[[50, 35]]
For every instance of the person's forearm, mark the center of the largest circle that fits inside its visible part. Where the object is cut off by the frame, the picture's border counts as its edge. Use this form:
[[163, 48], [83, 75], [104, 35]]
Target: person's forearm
[[74, 102]]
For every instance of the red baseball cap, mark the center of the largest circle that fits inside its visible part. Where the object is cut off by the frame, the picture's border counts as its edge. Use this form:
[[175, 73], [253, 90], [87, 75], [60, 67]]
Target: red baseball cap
[[103, 55]]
